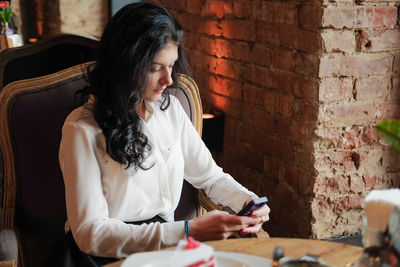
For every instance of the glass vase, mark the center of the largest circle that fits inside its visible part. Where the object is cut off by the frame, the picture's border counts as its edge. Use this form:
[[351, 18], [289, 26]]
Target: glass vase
[[6, 29]]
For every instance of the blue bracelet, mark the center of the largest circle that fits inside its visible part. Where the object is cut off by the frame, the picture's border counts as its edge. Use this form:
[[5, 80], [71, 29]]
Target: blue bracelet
[[187, 228]]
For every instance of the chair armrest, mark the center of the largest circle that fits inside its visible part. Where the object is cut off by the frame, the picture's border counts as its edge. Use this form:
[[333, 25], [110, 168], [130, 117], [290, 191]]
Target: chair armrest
[[8, 247], [206, 203], [262, 234], [8, 264]]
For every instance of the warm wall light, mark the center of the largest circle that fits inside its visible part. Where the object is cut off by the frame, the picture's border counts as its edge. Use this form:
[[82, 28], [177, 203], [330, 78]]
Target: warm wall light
[[213, 130], [32, 40], [208, 116]]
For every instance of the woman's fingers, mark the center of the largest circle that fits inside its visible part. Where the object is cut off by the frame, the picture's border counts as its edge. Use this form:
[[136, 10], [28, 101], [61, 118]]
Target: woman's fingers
[[219, 225], [262, 212], [252, 229]]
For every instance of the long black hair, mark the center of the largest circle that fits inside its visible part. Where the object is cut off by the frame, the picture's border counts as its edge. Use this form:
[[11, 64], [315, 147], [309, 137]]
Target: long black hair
[[132, 38]]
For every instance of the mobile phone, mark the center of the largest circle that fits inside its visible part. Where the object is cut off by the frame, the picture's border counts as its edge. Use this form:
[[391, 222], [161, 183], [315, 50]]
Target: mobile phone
[[253, 205]]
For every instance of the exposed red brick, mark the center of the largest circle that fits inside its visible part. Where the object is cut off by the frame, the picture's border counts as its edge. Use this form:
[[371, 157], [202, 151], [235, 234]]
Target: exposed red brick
[[193, 23], [266, 33], [356, 183], [352, 113], [359, 16], [269, 100], [330, 186], [394, 93], [284, 195], [372, 87], [253, 94], [389, 110], [246, 155], [369, 135], [371, 181], [283, 104], [232, 127], [220, 66], [238, 29], [307, 65], [298, 85], [211, 27], [329, 135], [342, 205], [379, 40], [297, 131], [335, 89], [259, 117], [217, 8], [229, 107], [339, 40], [240, 50], [226, 87], [280, 149], [284, 59], [308, 21], [258, 75], [396, 63], [292, 37], [296, 178], [283, 13], [259, 54], [272, 166], [193, 6], [242, 9], [357, 65], [304, 111], [178, 4]]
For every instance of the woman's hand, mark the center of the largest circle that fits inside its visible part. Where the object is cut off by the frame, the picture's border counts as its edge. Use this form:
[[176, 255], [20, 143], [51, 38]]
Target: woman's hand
[[262, 216], [217, 224]]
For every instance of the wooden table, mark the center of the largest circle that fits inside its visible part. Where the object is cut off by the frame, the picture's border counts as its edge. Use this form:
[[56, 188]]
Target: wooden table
[[337, 254], [334, 253]]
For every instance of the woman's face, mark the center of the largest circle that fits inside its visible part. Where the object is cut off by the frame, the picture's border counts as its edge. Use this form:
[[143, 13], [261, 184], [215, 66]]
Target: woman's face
[[159, 76]]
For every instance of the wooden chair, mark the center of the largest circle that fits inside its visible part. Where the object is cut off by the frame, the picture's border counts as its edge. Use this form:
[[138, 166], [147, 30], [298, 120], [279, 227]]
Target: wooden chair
[[47, 56], [33, 112]]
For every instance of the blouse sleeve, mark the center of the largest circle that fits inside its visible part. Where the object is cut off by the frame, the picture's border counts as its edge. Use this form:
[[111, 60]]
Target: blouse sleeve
[[202, 171], [93, 230]]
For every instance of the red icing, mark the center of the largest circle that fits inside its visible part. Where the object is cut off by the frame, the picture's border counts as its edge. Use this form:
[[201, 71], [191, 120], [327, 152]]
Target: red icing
[[209, 263], [191, 243]]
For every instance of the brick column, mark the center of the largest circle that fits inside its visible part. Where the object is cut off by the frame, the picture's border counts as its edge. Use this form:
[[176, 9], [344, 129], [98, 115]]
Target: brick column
[[302, 84], [358, 87]]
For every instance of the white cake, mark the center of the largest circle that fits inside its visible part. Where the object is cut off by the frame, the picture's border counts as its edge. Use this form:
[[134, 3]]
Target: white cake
[[192, 253], [378, 206]]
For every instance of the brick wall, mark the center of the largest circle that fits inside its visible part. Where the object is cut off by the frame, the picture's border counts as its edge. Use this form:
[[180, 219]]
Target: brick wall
[[302, 84], [359, 74], [86, 18]]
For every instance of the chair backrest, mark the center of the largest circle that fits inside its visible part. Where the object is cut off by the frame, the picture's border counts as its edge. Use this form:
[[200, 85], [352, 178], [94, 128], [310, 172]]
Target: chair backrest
[[33, 112], [188, 94], [48, 56]]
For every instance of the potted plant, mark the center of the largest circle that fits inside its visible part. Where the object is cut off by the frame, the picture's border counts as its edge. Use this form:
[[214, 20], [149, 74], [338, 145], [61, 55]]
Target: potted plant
[[6, 14], [390, 131]]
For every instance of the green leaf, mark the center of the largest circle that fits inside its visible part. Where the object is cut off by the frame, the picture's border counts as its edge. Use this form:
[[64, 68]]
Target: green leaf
[[390, 130]]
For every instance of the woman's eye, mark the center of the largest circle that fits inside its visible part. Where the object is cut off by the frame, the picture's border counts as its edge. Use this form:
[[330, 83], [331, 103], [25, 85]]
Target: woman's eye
[[152, 69]]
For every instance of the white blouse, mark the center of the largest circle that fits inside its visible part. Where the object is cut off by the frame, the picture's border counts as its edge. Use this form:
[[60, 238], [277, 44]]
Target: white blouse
[[101, 194]]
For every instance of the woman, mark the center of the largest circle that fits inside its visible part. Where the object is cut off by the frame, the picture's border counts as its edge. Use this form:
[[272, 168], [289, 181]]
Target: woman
[[124, 154]]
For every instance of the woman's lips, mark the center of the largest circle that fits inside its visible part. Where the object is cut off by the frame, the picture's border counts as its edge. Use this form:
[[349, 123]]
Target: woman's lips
[[159, 91]]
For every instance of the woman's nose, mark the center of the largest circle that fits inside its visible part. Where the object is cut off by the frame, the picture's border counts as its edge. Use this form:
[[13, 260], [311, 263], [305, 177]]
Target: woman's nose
[[167, 78]]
